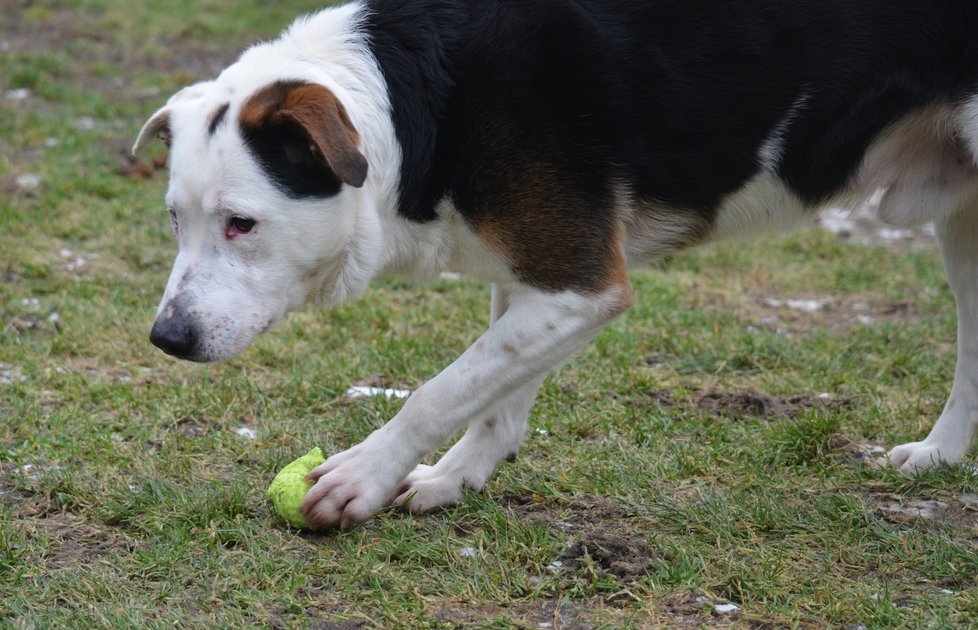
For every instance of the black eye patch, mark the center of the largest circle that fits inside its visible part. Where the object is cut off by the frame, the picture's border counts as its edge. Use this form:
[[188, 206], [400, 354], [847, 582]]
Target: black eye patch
[[284, 153]]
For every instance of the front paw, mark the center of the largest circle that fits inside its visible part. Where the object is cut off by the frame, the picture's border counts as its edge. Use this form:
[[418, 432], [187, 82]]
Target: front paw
[[425, 489], [919, 456], [350, 487]]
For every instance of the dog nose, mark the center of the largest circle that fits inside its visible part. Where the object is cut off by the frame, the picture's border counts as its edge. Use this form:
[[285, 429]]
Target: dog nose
[[174, 335]]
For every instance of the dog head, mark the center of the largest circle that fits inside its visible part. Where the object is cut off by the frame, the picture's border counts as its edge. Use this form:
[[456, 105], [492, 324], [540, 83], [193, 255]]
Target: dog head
[[266, 197]]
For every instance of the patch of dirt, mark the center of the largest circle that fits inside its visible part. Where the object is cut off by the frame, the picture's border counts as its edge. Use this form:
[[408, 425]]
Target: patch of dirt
[[849, 450], [690, 609], [751, 404], [744, 404], [785, 315], [605, 537], [626, 557], [322, 609], [86, 36], [75, 544], [558, 614], [134, 168], [960, 512], [685, 609], [59, 28]]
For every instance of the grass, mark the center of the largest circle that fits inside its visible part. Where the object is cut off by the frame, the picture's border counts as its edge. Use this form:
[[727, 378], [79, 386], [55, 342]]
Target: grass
[[684, 460]]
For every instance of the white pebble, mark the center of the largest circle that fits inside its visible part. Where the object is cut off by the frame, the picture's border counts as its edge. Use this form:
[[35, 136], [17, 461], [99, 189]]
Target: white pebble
[[29, 182], [366, 392]]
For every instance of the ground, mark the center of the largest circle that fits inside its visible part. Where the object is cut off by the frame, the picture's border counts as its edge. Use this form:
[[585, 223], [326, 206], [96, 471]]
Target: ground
[[711, 460]]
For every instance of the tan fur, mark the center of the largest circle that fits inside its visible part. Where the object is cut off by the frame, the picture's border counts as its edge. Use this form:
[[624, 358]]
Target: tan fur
[[315, 109]]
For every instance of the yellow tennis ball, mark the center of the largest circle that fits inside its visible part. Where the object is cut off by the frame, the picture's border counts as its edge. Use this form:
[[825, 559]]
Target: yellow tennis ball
[[290, 485]]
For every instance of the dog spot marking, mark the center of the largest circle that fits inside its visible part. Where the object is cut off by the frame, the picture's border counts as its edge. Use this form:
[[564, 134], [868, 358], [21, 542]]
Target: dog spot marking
[[217, 118], [303, 138], [521, 206], [491, 423], [510, 349]]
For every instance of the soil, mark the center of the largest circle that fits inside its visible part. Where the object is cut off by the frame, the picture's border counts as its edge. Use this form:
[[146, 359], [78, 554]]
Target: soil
[[78, 544], [959, 512], [751, 404], [605, 538], [744, 404]]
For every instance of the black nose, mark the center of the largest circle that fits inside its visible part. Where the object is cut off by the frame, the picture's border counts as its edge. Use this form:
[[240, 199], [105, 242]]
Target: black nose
[[174, 335]]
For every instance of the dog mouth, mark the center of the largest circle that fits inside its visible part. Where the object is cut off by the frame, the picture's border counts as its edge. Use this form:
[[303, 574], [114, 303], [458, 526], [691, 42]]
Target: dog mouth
[[184, 336]]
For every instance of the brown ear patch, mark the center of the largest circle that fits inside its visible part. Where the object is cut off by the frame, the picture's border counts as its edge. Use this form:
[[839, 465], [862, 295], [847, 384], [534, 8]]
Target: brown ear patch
[[299, 126]]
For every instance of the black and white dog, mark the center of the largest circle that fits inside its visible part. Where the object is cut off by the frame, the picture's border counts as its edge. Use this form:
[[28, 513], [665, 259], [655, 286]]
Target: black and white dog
[[545, 146]]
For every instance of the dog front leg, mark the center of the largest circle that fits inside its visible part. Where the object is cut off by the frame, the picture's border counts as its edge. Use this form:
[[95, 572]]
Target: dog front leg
[[486, 443], [538, 331], [472, 460], [955, 430]]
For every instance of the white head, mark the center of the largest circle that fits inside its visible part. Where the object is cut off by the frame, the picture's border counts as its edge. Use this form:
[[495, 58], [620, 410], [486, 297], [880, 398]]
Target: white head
[[268, 204]]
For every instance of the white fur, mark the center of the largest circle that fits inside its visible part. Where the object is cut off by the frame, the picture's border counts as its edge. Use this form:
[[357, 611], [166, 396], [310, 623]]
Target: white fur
[[772, 150], [242, 287], [764, 204], [537, 331], [957, 426], [327, 251]]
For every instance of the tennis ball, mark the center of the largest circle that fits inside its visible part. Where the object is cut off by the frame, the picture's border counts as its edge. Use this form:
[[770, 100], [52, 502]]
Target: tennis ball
[[290, 485]]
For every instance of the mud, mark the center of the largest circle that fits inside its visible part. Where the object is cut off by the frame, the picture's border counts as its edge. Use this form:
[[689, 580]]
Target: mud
[[604, 537], [626, 557]]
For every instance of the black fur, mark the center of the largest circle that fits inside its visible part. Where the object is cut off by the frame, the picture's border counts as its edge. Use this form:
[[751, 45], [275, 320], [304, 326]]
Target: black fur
[[283, 152], [217, 118], [673, 96]]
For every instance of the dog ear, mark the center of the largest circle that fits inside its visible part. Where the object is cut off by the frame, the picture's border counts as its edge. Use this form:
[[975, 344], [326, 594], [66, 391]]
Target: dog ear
[[320, 116], [158, 125]]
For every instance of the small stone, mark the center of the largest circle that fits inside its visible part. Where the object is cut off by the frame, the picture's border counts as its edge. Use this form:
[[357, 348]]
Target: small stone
[[29, 182]]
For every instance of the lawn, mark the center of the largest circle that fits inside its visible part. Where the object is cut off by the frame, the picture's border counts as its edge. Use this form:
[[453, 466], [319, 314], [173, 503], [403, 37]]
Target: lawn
[[709, 460]]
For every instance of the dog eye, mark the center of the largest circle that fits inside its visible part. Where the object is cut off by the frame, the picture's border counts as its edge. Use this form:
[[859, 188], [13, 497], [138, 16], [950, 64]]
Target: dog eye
[[240, 225], [173, 220]]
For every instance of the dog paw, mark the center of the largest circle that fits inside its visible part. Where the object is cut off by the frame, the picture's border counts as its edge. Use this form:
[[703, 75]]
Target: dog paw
[[350, 487], [919, 456], [425, 489]]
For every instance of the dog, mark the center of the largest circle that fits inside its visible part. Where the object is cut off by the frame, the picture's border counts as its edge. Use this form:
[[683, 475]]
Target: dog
[[545, 147]]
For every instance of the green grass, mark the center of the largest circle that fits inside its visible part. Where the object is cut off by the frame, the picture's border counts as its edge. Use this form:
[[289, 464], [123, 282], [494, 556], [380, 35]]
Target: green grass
[[128, 498]]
